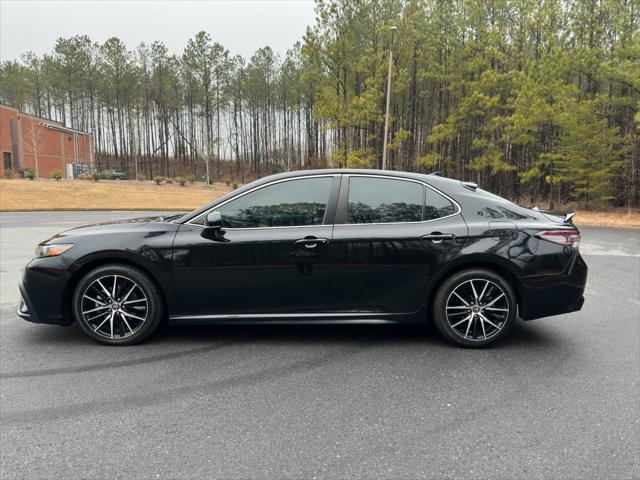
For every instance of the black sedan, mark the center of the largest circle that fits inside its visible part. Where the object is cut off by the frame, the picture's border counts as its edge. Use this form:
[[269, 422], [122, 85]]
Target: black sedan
[[322, 246]]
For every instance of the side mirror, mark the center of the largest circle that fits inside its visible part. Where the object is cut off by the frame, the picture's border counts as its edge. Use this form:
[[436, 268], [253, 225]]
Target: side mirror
[[213, 221]]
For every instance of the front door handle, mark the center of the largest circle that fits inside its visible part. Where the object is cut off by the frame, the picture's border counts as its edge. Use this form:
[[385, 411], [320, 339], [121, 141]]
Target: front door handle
[[311, 242], [438, 237]]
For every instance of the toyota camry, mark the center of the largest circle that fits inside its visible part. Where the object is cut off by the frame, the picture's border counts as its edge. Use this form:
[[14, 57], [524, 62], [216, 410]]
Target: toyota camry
[[321, 246]]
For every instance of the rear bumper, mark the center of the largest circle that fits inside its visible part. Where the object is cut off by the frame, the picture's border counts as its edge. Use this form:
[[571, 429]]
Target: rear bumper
[[548, 295]]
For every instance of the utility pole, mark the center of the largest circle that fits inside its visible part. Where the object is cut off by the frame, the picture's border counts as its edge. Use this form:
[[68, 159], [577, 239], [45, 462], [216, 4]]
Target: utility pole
[[386, 115]]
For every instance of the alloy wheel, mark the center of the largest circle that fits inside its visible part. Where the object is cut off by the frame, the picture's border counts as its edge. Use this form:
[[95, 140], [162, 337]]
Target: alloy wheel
[[477, 309], [114, 306]]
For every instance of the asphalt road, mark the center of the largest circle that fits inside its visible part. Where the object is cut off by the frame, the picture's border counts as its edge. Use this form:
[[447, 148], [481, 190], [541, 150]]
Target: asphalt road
[[558, 399]]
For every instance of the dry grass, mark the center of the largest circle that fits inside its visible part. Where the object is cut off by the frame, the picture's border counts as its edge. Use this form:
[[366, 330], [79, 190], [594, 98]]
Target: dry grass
[[41, 194], [25, 195], [621, 218]]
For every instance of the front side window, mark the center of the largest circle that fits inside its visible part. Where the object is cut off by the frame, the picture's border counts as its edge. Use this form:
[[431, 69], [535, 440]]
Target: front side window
[[285, 204], [384, 200]]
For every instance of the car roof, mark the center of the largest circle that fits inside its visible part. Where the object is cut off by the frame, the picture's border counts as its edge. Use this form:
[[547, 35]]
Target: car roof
[[429, 178]]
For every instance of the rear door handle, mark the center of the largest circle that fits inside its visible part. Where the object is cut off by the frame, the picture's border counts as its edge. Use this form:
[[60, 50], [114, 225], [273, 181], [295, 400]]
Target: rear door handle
[[437, 237], [311, 242]]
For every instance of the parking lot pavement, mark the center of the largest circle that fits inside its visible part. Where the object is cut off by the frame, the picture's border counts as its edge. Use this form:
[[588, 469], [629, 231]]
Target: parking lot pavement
[[557, 399]]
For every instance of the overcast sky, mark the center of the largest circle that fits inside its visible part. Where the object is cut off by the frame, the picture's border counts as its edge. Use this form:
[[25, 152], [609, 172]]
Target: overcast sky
[[241, 26]]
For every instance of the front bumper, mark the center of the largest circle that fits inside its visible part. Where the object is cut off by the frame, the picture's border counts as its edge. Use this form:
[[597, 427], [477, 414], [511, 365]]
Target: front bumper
[[24, 311], [43, 292], [548, 295]]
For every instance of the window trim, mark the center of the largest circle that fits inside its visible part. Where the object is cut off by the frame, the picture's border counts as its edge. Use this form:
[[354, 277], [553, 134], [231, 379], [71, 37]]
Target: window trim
[[343, 202], [330, 209]]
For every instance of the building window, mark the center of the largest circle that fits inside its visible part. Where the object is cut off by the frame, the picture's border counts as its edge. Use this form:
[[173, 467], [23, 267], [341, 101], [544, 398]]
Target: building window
[[6, 160]]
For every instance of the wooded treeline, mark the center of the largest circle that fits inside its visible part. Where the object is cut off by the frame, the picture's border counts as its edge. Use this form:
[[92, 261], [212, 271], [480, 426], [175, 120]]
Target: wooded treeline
[[536, 100]]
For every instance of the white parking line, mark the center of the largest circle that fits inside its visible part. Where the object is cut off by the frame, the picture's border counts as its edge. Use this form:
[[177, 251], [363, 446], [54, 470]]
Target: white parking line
[[591, 249]]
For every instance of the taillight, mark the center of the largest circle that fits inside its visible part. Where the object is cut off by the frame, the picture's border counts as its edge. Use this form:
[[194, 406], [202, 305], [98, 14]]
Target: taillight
[[571, 238]]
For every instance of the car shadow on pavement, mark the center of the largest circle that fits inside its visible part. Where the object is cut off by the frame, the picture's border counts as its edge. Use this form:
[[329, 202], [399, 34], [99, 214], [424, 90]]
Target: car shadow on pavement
[[522, 335]]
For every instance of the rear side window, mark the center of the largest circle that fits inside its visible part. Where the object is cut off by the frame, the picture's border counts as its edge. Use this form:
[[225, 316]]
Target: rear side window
[[437, 206], [285, 204], [384, 200]]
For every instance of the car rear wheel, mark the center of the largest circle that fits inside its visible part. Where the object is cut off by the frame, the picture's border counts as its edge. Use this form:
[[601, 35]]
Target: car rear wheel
[[474, 308], [117, 305]]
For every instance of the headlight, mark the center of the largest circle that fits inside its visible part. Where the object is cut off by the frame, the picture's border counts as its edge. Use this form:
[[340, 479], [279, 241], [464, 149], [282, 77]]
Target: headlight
[[52, 250]]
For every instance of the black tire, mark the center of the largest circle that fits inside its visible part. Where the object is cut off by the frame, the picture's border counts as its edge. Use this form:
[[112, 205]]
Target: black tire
[[467, 329], [125, 329]]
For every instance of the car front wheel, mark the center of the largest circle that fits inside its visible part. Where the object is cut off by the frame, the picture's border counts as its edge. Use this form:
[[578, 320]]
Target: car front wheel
[[474, 308], [117, 304]]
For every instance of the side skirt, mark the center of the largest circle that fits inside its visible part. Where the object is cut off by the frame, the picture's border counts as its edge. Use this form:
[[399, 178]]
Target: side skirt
[[351, 318]]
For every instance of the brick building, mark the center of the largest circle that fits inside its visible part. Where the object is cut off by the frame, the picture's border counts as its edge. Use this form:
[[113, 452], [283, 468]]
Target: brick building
[[40, 145]]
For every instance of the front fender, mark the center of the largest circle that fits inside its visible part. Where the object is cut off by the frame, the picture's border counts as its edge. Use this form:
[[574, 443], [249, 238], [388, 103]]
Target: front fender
[[151, 252]]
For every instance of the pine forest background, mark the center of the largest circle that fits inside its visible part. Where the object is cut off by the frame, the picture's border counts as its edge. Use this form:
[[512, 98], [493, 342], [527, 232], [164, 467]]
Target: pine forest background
[[536, 100]]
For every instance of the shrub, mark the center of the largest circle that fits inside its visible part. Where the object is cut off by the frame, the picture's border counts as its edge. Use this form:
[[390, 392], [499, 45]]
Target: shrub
[[141, 178], [168, 180], [158, 179], [29, 174], [95, 176], [191, 179], [56, 175], [8, 174], [234, 185], [227, 182], [181, 180]]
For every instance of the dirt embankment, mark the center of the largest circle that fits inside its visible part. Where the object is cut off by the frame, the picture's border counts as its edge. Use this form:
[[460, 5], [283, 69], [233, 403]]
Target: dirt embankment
[[25, 195]]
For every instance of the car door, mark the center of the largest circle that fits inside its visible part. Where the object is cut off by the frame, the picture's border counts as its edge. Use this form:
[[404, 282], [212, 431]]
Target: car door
[[269, 257], [391, 234]]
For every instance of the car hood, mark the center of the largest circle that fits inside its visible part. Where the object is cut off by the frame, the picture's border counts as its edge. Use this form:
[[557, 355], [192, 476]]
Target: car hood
[[128, 225]]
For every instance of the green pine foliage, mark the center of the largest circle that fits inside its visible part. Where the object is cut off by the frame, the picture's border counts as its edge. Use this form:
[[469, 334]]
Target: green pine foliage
[[533, 99]]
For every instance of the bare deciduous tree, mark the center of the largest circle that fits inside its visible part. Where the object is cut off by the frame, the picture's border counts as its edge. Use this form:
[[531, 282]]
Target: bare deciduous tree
[[33, 140]]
